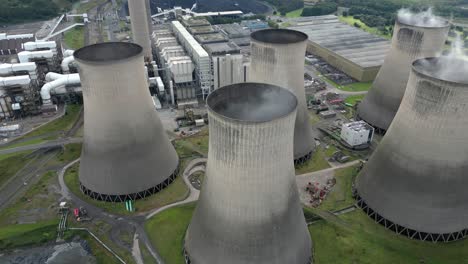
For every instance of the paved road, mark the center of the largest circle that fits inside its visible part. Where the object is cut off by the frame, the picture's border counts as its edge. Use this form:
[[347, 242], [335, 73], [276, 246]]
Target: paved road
[[50, 144]]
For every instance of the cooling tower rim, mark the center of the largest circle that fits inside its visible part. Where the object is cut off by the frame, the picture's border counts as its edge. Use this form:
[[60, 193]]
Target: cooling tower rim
[[108, 52], [418, 67], [271, 36], [291, 106], [446, 24]]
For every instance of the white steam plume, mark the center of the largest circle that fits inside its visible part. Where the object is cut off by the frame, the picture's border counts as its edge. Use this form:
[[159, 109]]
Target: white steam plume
[[421, 19]]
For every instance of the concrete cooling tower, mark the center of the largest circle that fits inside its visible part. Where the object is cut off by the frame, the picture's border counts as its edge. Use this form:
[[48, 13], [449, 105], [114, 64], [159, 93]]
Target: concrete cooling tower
[[126, 153], [140, 17], [249, 210], [412, 39], [415, 182], [278, 59]]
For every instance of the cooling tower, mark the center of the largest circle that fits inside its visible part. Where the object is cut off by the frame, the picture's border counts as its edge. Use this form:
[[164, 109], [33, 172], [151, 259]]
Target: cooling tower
[[249, 210], [141, 25], [278, 59], [126, 152], [415, 182], [411, 41]]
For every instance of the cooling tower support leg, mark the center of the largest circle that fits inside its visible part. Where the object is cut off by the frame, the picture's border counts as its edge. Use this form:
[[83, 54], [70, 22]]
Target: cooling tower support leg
[[410, 233], [132, 196], [303, 159]]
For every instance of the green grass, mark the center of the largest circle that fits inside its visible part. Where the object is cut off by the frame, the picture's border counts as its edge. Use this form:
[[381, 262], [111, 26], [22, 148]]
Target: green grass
[[38, 196], [13, 236], [70, 153], [10, 165], [357, 87], [102, 255], [358, 239], [64, 123], [74, 38], [294, 13], [351, 20], [353, 99], [341, 196], [199, 141], [316, 163], [176, 191], [166, 232], [33, 141]]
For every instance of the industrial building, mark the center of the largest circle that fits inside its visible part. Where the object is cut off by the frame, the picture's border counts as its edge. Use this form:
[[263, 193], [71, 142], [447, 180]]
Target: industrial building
[[410, 42], [12, 44], [278, 59], [357, 133], [249, 211], [351, 50], [140, 15], [415, 182], [127, 154]]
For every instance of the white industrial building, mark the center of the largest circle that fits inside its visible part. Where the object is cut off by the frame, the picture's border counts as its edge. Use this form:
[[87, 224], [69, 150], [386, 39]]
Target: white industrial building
[[228, 64], [357, 133], [199, 56]]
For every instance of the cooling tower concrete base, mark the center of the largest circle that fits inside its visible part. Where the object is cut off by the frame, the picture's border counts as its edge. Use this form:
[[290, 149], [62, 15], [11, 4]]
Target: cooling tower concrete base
[[278, 58], [415, 182], [126, 152], [409, 43], [249, 210]]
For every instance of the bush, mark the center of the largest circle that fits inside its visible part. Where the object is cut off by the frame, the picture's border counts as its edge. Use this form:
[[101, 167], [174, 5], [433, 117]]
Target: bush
[[322, 8], [356, 24]]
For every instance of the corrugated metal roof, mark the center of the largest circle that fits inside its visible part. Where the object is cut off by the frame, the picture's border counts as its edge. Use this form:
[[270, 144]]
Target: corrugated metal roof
[[353, 44]]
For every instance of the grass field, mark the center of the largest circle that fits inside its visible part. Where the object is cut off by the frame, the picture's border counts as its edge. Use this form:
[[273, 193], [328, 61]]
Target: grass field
[[74, 38], [176, 191], [43, 134], [316, 163], [166, 232], [62, 124], [11, 164], [353, 99], [85, 7], [351, 20], [294, 13], [13, 236], [340, 196]]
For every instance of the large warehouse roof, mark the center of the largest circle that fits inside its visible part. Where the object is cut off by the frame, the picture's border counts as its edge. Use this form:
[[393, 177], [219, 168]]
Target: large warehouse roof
[[353, 44]]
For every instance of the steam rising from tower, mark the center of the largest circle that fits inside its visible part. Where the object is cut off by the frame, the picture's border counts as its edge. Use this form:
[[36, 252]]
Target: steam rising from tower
[[126, 153], [249, 210], [415, 182], [278, 59], [140, 16], [415, 36]]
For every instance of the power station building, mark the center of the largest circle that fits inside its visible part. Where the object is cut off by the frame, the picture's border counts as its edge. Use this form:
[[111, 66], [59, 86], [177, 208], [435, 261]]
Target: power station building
[[415, 182], [410, 41], [351, 50], [278, 59], [126, 152], [249, 210]]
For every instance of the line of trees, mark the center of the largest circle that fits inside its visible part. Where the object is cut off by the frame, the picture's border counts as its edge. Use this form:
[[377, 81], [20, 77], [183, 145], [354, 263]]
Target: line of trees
[[285, 6], [320, 9], [14, 11]]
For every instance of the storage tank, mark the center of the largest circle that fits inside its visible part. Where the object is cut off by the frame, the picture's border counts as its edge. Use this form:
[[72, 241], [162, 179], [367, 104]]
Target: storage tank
[[412, 39], [126, 153], [249, 210], [415, 182], [278, 59], [141, 26]]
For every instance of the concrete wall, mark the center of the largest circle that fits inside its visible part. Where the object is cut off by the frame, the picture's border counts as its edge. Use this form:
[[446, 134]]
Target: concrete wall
[[417, 176], [125, 147], [408, 44], [278, 58], [249, 210]]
